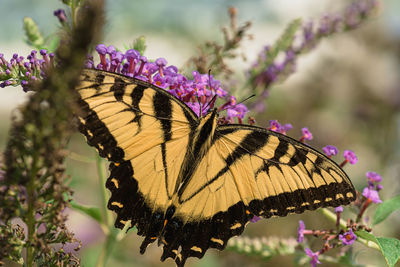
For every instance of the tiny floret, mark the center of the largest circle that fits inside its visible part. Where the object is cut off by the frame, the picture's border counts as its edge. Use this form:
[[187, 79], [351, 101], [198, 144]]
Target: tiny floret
[[372, 195], [307, 135], [373, 177], [348, 238], [350, 156], [314, 257], [300, 231], [330, 150], [339, 209]]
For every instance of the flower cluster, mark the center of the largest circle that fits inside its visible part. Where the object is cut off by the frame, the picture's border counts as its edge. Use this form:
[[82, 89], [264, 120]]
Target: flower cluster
[[275, 126], [198, 93], [275, 63], [24, 71], [346, 238], [371, 191], [349, 155], [370, 195]]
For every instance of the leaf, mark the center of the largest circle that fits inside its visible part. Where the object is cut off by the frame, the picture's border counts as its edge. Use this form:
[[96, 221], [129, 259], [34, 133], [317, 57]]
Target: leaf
[[53, 43], [32, 32], [390, 248], [90, 211], [284, 42], [367, 236], [139, 44], [385, 209]]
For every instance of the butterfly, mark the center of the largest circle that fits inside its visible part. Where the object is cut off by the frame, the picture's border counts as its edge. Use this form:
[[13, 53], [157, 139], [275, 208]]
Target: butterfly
[[188, 182]]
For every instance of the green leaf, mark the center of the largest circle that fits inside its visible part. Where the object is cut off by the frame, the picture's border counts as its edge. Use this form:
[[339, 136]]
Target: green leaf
[[140, 44], [367, 236], [90, 211], [284, 42], [32, 32], [390, 248], [385, 209], [53, 43]]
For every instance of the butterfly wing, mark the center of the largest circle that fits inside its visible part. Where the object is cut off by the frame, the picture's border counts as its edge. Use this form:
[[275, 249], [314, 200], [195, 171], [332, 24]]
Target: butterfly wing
[[143, 130], [247, 172]]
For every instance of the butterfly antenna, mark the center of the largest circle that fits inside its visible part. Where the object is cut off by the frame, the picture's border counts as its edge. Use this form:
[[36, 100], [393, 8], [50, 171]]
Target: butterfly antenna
[[226, 105], [247, 98], [212, 101]]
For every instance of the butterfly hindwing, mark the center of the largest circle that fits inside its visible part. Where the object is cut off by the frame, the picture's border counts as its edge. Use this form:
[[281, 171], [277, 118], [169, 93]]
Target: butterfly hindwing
[[192, 184], [254, 172]]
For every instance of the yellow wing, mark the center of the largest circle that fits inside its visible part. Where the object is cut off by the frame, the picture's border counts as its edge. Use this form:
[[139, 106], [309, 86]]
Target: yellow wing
[[249, 171], [143, 130]]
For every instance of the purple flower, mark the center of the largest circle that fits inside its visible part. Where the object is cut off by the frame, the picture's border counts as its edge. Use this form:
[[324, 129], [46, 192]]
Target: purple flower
[[330, 150], [314, 257], [339, 209], [238, 111], [255, 219], [348, 238], [372, 195], [307, 135], [350, 156], [300, 231], [60, 14], [373, 177], [161, 62], [274, 126]]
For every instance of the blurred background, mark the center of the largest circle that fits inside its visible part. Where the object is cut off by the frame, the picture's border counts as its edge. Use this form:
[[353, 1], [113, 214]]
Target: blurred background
[[346, 91]]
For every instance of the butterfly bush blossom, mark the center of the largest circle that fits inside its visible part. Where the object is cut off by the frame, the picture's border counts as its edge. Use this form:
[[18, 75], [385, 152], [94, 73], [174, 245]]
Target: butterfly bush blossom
[[198, 93]]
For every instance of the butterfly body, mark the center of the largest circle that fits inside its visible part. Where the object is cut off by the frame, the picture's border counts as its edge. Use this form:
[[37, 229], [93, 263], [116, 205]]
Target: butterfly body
[[188, 182]]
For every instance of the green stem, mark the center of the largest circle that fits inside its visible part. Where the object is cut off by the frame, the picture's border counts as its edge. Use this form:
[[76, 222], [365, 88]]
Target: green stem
[[30, 218], [107, 248], [110, 233], [73, 13], [102, 181]]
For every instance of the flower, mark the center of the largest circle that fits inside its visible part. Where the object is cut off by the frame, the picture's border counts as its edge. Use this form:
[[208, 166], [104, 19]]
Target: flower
[[255, 219], [314, 257], [24, 72], [373, 177], [60, 14], [198, 93], [339, 209], [330, 150], [348, 238], [275, 126], [306, 134], [300, 231], [371, 195], [350, 156]]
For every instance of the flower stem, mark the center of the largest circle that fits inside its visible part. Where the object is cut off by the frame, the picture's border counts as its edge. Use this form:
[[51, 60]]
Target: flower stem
[[102, 181], [107, 248], [110, 233], [333, 217], [30, 219]]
